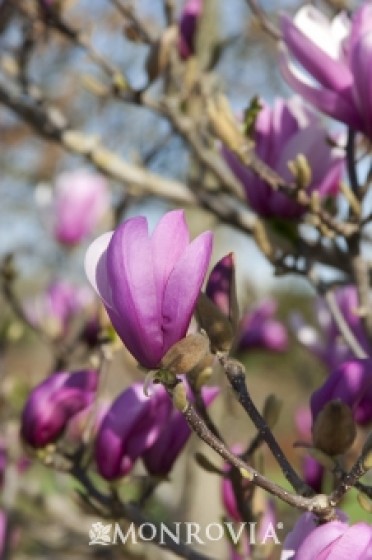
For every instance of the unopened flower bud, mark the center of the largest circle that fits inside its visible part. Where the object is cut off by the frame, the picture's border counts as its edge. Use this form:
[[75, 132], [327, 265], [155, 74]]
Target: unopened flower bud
[[334, 428], [53, 403], [186, 354]]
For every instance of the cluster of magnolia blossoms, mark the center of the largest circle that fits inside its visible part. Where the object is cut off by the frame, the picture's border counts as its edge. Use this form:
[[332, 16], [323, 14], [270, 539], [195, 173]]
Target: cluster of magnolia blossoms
[[134, 426], [281, 133]]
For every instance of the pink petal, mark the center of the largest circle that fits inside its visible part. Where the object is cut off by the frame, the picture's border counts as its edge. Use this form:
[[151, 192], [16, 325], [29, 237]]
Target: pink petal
[[360, 63], [327, 71], [169, 241], [183, 287], [327, 101], [135, 296], [355, 543]]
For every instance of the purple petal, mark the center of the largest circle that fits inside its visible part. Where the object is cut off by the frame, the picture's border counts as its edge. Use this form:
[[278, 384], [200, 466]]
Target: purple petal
[[183, 287], [128, 428], [169, 241], [355, 543], [305, 526], [349, 382], [135, 296], [328, 72], [332, 103], [361, 24], [360, 63]]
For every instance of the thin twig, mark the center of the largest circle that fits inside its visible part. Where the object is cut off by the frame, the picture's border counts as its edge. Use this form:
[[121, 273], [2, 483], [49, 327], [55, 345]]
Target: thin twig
[[267, 25], [342, 325], [318, 504], [236, 375], [348, 481]]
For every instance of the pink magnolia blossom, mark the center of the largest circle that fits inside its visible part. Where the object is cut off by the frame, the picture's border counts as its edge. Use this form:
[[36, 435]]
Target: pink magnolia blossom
[[335, 540], [149, 284], [281, 134], [81, 200], [140, 426], [53, 310], [338, 56], [52, 404]]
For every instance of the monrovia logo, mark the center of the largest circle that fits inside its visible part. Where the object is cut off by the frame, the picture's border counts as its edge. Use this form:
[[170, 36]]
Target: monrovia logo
[[100, 534], [188, 533]]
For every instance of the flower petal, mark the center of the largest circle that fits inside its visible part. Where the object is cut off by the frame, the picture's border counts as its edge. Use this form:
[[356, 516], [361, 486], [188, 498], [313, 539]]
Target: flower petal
[[331, 73], [96, 267], [360, 64], [327, 35], [183, 287], [169, 242], [135, 296], [327, 101]]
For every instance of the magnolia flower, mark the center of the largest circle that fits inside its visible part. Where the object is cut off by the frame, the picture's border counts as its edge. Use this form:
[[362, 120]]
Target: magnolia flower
[[281, 134], [52, 404], [53, 310], [140, 426], [81, 200], [188, 27], [335, 540], [131, 425], [149, 284], [352, 384], [259, 329], [338, 55]]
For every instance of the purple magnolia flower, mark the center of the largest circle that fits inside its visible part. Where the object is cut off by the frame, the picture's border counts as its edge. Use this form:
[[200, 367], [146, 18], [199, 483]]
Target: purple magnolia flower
[[81, 200], [146, 427], [52, 404], [188, 27], [131, 425], [53, 310], [338, 55], [281, 134], [335, 540], [161, 456], [352, 384], [259, 329], [149, 284], [328, 344]]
